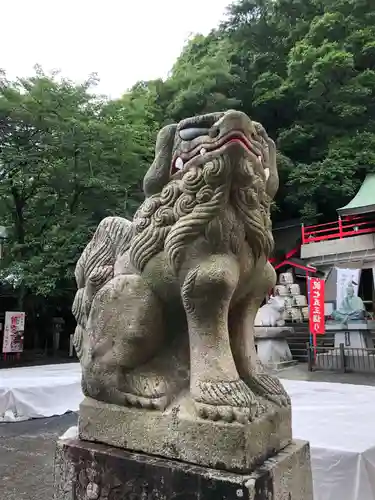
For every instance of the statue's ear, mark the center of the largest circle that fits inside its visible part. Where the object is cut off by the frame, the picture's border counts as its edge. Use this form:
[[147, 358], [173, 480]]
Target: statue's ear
[[273, 179], [157, 175]]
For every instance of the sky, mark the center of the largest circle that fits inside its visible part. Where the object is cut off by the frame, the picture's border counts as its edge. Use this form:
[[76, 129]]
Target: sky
[[122, 40]]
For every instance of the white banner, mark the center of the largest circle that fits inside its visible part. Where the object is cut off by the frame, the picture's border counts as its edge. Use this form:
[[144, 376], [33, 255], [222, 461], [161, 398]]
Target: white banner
[[14, 328], [346, 277]]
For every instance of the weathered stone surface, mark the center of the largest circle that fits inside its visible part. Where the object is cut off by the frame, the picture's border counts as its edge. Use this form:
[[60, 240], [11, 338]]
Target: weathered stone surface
[[272, 347], [177, 433], [271, 314], [196, 252], [99, 472], [273, 332], [166, 303]]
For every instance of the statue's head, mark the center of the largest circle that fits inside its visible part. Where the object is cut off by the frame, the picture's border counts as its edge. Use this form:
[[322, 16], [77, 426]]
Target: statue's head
[[350, 290], [277, 303], [202, 165], [230, 136]]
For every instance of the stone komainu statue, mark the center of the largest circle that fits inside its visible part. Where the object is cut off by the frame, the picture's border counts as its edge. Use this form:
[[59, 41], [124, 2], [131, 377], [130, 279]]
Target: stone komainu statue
[[166, 303]]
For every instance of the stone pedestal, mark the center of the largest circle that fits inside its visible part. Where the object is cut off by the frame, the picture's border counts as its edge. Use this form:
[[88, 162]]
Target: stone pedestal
[[178, 434], [88, 471], [272, 346], [354, 334], [356, 339]]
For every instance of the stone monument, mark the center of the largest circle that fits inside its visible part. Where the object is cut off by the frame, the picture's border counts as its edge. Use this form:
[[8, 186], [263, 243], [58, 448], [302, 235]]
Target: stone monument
[[353, 337], [270, 335], [177, 404], [352, 307]]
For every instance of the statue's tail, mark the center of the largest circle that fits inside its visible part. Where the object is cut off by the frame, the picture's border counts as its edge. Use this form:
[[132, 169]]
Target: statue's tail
[[94, 269]]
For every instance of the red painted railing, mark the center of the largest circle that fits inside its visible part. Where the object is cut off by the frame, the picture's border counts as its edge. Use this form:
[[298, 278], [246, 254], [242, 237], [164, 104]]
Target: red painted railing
[[342, 228]]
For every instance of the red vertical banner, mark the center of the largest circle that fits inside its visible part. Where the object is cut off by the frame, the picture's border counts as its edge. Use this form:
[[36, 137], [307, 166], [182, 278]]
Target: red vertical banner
[[316, 306]]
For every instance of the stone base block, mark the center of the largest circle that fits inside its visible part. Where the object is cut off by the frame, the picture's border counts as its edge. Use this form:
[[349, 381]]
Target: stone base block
[[178, 434], [89, 471], [356, 339], [272, 347], [281, 365]]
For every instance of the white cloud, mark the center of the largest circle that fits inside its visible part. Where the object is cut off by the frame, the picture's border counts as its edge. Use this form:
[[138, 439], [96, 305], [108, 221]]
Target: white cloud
[[122, 40]]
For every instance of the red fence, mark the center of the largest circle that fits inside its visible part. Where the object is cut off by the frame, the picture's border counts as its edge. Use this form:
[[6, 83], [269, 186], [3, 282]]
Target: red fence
[[342, 228]]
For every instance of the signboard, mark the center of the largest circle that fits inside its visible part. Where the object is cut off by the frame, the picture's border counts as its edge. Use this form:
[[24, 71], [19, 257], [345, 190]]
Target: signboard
[[316, 306], [14, 327]]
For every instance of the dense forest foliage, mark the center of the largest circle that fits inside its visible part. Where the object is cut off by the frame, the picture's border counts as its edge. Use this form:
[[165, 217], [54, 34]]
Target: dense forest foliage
[[304, 68]]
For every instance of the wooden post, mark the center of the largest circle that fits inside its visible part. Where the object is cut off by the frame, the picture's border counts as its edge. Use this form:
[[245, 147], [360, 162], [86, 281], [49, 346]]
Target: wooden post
[[314, 343], [342, 358], [340, 227], [308, 302], [309, 357]]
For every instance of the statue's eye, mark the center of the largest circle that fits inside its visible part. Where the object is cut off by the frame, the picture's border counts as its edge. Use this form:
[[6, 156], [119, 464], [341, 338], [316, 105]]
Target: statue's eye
[[188, 134]]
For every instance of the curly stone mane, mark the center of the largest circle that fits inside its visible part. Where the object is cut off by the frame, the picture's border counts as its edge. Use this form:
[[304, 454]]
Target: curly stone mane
[[253, 205], [186, 208], [95, 268]]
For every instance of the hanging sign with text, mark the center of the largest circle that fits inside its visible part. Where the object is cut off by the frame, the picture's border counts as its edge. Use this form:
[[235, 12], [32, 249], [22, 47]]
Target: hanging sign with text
[[316, 306], [14, 327]]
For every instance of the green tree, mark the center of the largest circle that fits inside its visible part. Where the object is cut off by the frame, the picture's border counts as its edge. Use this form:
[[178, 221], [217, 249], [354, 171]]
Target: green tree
[[67, 160], [202, 79], [331, 71], [308, 75]]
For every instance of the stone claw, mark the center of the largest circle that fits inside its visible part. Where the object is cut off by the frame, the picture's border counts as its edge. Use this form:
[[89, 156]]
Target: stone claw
[[155, 403], [147, 391], [226, 413], [270, 387], [226, 401]]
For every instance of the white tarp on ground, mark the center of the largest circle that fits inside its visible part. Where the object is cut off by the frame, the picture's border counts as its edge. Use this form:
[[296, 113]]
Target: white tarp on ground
[[39, 391], [337, 419]]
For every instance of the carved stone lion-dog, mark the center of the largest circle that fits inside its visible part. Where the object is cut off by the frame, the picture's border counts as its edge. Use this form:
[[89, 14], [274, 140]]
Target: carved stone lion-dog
[[166, 303]]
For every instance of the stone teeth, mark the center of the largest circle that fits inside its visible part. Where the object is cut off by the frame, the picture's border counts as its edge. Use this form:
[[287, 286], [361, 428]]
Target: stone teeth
[[267, 173], [179, 164], [203, 151]]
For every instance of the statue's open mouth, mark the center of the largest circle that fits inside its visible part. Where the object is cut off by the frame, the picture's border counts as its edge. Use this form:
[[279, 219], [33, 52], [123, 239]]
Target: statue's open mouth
[[205, 150]]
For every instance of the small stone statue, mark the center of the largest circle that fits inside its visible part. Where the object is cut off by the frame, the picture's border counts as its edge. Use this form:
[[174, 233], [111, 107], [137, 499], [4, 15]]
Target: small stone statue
[[351, 308], [271, 313]]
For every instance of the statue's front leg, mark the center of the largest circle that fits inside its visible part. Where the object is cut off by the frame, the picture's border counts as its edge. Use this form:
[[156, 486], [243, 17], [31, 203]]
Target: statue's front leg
[[242, 339], [216, 388]]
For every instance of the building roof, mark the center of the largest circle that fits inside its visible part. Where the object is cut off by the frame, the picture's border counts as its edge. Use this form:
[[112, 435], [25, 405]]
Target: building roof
[[364, 201]]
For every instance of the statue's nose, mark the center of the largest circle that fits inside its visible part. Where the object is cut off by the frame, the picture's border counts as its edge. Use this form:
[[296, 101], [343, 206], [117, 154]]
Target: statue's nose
[[232, 120]]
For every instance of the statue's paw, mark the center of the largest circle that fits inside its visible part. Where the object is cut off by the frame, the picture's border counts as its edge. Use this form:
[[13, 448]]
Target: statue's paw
[[226, 413], [147, 391], [154, 403], [227, 401], [269, 387]]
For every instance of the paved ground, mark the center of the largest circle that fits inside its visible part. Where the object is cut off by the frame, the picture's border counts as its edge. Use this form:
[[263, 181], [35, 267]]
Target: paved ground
[[27, 449], [27, 452], [300, 372]]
